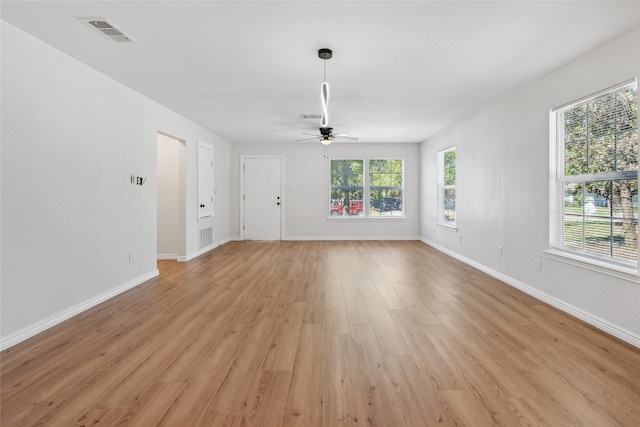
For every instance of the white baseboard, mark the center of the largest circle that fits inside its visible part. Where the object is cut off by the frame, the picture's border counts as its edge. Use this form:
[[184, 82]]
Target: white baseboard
[[167, 256], [203, 251], [61, 317], [311, 238], [587, 317]]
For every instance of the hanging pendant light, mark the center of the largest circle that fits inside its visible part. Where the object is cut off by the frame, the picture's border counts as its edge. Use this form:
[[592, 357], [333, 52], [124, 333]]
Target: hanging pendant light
[[326, 135], [325, 54], [324, 96]]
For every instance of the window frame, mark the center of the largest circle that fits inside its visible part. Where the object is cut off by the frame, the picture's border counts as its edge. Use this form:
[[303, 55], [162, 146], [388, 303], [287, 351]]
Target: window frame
[[368, 188], [366, 192], [558, 179], [442, 187]]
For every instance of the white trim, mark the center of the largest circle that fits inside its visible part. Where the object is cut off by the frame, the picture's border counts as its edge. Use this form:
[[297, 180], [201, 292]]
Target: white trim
[[167, 256], [587, 317], [204, 250], [554, 194], [629, 274], [621, 86], [362, 218], [52, 321], [329, 238], [447, 227]]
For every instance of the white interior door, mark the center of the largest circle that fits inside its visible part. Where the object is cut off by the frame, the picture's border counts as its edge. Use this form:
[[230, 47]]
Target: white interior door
[[205, 180], [262, 198]]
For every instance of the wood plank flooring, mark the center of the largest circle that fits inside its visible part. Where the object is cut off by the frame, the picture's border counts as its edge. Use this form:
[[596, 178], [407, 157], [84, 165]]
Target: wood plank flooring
[[321, 334]]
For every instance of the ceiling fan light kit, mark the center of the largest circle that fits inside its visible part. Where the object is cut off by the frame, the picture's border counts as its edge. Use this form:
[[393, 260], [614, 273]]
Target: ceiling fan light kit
[[326, 133]]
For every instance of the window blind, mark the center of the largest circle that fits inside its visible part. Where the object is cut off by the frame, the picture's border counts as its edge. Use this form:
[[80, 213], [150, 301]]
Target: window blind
[[597, 175]]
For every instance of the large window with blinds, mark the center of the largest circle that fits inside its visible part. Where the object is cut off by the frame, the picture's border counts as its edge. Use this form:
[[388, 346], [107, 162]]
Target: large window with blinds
[[594, 211]]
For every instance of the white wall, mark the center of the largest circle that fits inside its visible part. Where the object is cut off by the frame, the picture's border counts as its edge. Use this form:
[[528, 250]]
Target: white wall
[[306, 202], [71, 139], [502, 171]]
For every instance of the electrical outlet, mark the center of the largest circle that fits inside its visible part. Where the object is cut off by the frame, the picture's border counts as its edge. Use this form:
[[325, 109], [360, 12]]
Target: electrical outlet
[[460, 238], [499, 252], [538, 264], [131, 256], [324, 224]]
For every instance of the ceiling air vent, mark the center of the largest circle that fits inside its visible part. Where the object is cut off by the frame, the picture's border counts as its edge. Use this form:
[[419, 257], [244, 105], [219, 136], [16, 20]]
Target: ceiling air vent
[[310, 116], [109, 30]]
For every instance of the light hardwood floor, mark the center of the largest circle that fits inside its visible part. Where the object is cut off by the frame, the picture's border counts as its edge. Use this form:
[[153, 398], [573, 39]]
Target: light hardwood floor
[[321, 334]]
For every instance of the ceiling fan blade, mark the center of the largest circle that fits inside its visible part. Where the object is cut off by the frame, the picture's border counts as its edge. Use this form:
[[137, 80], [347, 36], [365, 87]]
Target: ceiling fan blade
[[344, 135], [317, 138], [312, 134]]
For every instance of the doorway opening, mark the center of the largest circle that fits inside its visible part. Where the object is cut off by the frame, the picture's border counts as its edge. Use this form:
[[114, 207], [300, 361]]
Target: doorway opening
[[171, 198]]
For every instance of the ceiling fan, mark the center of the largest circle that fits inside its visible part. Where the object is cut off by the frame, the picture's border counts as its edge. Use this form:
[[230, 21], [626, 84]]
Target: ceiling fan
[[326, 135]]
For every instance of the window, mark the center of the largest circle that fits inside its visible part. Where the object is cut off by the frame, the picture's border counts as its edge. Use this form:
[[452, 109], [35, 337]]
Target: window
[[447, 186], [372, 188], [347, 187], [595, 211], [385, 187]]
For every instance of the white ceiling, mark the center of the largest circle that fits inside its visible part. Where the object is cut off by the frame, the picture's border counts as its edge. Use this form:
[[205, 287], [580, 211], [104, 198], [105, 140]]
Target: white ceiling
[[401, 71]]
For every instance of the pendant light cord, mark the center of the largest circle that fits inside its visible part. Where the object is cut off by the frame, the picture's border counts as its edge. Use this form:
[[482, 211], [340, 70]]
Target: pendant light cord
[[324, 63]]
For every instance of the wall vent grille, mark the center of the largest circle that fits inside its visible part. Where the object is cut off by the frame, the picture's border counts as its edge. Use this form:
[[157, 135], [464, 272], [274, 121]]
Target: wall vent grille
[[109, 30], [206, 237]]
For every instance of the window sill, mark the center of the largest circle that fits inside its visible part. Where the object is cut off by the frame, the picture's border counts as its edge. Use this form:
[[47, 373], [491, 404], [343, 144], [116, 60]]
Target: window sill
[[447, 226], [365, 218], [629, 274]]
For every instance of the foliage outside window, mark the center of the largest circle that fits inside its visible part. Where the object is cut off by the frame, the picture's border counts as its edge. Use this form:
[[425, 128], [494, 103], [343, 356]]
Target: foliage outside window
[[447, 186], [385, 187], [360, 188], [347, 187], [597, 176]]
